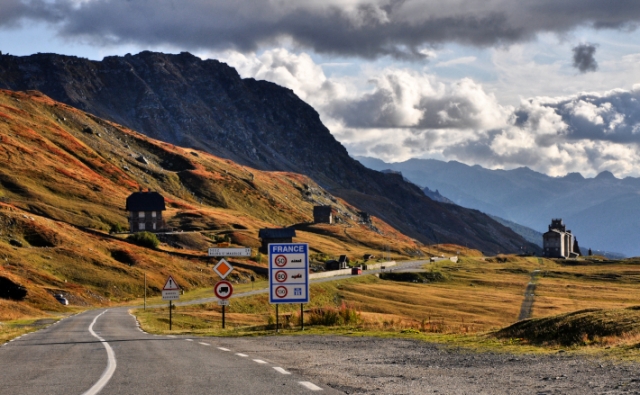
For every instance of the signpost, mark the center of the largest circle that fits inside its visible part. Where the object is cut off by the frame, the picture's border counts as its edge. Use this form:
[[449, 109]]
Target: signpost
[[244, 251], [223, 289], [170, 292], [288, 274]]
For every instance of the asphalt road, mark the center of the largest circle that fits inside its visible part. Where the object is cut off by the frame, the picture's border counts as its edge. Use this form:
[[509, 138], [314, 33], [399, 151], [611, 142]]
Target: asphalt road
[[103, 351]]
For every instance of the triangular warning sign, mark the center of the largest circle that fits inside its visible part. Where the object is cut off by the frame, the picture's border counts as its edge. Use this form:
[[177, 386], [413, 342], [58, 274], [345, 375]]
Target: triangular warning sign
[[171, 285]]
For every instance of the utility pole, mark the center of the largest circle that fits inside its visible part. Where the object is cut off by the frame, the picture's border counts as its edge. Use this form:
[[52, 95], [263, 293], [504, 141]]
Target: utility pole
[[145, 290]]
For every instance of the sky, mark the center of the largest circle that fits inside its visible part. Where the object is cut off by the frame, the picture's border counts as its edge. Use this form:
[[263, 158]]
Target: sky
[[547, 84]]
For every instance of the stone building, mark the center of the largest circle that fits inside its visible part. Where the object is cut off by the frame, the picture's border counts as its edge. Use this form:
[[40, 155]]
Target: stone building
[[145, 211], [275, 235], [322, 214], [559, 242]]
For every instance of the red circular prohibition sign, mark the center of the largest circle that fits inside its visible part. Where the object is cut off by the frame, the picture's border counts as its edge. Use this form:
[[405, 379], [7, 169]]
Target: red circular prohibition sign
[[281, 292], [281, 276], [280, 260], [223, 289]]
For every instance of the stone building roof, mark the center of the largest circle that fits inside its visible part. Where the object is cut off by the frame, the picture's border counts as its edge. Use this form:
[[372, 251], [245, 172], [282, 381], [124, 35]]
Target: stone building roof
[[145, 201], [277, 233]]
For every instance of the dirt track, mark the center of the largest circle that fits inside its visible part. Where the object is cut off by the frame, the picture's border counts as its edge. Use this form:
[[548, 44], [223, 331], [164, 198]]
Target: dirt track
[[391, 366]]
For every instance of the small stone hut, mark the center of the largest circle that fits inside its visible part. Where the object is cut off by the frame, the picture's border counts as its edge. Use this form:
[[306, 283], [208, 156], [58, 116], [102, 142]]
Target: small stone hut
[[322, 214]]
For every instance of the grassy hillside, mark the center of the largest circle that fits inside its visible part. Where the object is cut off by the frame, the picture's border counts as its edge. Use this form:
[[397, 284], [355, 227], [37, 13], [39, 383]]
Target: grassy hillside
[[64, 178]]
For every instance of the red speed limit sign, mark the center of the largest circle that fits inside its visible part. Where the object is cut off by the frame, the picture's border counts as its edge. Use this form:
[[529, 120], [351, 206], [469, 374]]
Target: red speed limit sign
[[280, 260], [281, 276]]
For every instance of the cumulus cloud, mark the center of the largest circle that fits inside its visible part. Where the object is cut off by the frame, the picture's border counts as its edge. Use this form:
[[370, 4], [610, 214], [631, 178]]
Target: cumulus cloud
[[404, 29], [584, 58], [406, 113]]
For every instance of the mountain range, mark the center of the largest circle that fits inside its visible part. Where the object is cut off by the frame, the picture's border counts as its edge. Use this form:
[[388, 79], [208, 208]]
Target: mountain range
[[602, 211], [204, 104]]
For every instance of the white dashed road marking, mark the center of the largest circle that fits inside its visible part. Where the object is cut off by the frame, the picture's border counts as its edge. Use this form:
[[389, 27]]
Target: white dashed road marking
[[310, 385], [171, 336], [259, 361], [204, 344], [241, 355], [281, 370], [189, 340], [223, 349]]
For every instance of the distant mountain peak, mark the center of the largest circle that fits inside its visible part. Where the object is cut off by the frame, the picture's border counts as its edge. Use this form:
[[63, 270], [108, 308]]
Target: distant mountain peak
[[606, 175]]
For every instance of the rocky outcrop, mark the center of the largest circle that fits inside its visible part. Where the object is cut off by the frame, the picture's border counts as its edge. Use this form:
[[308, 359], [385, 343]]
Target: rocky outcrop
[[204, 104]]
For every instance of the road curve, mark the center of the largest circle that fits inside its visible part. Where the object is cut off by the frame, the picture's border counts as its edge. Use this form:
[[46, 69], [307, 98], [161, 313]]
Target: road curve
[[66, 358]]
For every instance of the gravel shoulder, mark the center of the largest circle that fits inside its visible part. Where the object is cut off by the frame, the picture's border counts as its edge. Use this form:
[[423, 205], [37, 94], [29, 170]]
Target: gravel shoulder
[[356, 365]]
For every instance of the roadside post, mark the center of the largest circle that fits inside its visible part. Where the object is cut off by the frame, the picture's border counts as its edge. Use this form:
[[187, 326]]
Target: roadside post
[[170, 292], [288, 275], [223, 289], [145, 290]]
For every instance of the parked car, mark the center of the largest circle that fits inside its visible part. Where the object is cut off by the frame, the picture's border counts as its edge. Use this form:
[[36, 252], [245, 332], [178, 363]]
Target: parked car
[[61, 299]]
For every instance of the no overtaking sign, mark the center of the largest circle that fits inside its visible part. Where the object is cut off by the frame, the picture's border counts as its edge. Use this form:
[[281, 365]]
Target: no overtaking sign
[[289, 273]]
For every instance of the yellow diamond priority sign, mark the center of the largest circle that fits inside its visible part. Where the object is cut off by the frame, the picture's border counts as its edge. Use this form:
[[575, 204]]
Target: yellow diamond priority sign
[[223, 268]]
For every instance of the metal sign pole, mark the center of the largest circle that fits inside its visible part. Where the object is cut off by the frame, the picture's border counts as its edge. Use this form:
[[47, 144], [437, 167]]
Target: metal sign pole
[[301, 317], [277, 322], [170, 315], [223, 306]]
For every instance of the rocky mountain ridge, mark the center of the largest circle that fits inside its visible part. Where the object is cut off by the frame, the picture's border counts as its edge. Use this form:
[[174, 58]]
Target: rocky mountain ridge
[[186, 101]]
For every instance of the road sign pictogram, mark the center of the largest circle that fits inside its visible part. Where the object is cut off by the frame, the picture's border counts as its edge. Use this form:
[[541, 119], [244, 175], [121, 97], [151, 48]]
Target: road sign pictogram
[[223, 289], [281, 276], [223, 268], [281, 292], [280, 261], [171, 290], [171, 285]]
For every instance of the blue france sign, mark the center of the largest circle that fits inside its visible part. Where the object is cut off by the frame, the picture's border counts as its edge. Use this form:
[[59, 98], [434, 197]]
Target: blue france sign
[[288, 273]]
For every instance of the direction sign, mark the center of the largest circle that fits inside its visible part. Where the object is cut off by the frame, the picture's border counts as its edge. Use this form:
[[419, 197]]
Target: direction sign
[[289, 273], [223, 289], [223, 268], [244, 251], [171, 290]]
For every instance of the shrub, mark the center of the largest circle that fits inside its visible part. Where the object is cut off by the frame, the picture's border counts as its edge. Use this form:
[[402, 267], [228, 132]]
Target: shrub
[[144, 239], [116, 228], [331, 316]]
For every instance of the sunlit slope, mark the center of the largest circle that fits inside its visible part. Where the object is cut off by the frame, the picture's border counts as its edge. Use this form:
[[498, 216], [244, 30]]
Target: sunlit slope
[[64, 179]]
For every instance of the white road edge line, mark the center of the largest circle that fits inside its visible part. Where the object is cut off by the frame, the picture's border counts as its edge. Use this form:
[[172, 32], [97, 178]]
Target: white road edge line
[[223, 349], [189, 340], [310, 385], [111, 364], [281, 370], [204, 344], [241, 354], [259, 361]]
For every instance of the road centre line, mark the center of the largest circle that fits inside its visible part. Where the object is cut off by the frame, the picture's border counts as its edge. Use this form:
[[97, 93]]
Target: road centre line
[[259, 361], [241, 355], [281, 370], [223, 349], [111, 362], [310, 385]]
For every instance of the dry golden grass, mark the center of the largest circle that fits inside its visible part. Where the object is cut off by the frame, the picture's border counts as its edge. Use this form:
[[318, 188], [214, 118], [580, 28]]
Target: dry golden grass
[[64, 178]]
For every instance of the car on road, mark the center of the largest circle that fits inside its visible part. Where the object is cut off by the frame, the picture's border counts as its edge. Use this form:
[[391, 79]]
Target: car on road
[[61, 299]]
